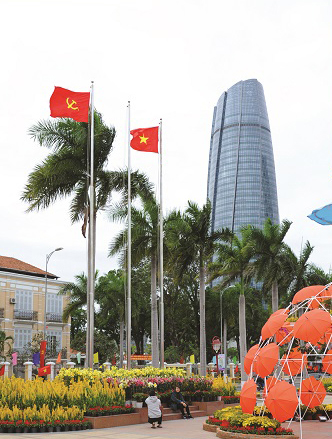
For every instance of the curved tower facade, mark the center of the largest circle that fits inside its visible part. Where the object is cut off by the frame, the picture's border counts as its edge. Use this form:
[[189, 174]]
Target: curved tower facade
[[241, 181]]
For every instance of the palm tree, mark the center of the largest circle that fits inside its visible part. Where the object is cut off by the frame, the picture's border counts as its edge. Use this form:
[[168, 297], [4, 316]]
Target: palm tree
[[77, 295], [232, 264], [191, 240], [298, 269], [269, 253], [77, 292], [64, 171], [144, 244], [110, 295]]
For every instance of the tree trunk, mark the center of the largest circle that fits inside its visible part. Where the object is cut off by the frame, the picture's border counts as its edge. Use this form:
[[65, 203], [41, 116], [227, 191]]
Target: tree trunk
[[225, 344], [275, 297], [121, 342], [242, 330], [202, 332], [154, 313]]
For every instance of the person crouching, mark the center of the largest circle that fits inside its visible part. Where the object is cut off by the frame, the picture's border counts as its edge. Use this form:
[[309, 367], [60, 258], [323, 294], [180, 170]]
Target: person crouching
[[154, 410]]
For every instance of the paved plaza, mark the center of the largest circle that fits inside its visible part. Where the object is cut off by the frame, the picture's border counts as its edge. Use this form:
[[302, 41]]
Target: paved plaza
[[181, 429]]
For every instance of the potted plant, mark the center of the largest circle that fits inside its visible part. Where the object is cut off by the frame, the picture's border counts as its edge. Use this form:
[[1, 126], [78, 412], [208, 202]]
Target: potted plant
[[57, 425], [139, 398], [49, 427], [26, 427], [19, 426]]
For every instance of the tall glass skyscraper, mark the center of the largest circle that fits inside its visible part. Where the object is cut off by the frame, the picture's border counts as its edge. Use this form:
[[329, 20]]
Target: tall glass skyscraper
[[241, 181]]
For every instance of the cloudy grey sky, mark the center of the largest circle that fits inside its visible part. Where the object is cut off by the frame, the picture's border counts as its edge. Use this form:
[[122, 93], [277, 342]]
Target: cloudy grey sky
[[171, 59]]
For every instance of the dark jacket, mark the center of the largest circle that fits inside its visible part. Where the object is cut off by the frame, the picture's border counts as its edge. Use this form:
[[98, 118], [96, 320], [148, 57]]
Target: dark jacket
[[176, 399]]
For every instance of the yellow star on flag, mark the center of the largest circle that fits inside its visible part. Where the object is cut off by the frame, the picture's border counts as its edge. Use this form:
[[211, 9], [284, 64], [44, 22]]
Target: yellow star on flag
[[143, 139]]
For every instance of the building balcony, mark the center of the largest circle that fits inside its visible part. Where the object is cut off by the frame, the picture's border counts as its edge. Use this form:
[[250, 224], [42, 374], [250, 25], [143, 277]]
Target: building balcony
[[2, 313], [31, 316], [53, 317]]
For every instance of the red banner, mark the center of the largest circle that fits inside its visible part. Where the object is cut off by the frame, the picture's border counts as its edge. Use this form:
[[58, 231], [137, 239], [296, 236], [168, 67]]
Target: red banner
[[42, 352], [67, 103], [2, 371], [141, 357]]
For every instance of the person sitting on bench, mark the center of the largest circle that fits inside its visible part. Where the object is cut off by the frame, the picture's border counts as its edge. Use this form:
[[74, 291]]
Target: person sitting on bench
[[178, 402]]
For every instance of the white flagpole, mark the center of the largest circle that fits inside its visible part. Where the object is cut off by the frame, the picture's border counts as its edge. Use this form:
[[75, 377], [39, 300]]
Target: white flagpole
[[92, 239], [161, 248], [128, 334]]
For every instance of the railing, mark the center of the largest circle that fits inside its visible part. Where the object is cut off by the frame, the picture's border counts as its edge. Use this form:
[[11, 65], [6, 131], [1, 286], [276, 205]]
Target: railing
[[25, 315], [2, 313], [53, 317]]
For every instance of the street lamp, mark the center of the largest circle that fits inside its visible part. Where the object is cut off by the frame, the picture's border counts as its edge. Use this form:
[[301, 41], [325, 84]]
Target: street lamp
[[47, 259], [216, 345]]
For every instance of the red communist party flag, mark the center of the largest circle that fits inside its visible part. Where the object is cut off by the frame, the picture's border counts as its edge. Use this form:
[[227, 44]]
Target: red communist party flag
[[145, 139], [42, 353], [2, 370], [66, 103], [42, 371]]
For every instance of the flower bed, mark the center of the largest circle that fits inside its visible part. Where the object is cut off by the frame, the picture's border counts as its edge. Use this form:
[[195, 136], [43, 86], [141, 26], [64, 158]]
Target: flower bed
[[224, 388], [42, 405], [20, 393], [26, 426], [306, 412], [248, 429], [70, 375], [108, 411], [232, 419], [327, 382], [42, 419], [230, 399]]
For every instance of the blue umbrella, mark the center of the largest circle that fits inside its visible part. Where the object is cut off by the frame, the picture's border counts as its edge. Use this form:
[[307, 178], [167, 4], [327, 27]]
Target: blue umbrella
[[323, 215]]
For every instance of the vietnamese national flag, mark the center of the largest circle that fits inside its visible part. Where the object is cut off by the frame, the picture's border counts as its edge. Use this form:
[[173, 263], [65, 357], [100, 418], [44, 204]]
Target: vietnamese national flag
[[145, 139], [42, 353], [66, 103], [42, 371], [2, 370]]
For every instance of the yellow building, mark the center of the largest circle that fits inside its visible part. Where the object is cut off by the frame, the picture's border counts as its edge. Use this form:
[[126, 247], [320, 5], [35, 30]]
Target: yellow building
[[22, 302]]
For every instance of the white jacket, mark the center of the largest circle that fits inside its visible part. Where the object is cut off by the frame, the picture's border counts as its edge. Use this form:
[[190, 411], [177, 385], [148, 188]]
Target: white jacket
[[153, 404]]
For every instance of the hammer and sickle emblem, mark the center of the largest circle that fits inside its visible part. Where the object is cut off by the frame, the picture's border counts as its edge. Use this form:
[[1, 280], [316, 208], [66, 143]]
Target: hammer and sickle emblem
[[71, 105]]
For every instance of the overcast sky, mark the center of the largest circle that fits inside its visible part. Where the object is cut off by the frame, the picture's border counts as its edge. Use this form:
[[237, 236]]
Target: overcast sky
[[171, 59]]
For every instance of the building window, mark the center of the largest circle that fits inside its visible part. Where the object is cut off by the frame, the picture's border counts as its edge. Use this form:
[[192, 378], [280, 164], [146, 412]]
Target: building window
[[54, 341], [23, 300], [54, 304], [22, 336]]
